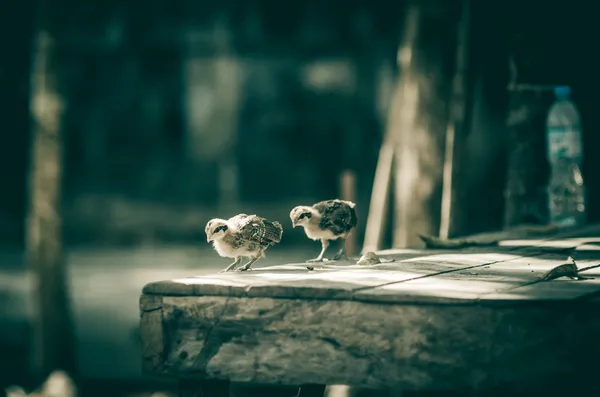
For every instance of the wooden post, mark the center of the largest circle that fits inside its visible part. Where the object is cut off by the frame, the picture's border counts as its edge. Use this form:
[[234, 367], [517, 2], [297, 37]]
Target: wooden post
[[348, 189], [376, 221], [452, 216], [415, 132], [53, 341], [378, 206]]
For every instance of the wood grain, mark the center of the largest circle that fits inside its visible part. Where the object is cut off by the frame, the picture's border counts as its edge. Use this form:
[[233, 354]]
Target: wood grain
[[343, 279], [410, 347], [422, 279], [324, 282]]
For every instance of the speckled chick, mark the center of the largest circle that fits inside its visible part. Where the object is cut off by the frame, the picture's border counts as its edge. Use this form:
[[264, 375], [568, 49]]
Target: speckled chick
[[242, 236], [325, 221]]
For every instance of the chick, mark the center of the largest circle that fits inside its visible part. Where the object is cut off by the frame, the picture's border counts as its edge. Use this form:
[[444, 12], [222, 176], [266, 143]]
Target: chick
[[242, 236], [326, 220]]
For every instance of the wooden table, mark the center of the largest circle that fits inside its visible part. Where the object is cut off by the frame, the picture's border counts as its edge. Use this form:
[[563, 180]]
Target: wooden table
[[471, 320]]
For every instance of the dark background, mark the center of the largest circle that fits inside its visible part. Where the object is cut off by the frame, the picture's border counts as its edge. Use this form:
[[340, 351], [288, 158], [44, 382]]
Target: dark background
[[163, 96], [134, 164]]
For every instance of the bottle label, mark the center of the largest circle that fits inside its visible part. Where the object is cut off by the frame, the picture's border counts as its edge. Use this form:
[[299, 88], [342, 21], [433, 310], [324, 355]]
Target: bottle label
[[564, 142]]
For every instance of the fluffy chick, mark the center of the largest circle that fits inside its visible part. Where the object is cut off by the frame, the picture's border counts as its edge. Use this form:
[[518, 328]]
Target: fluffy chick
[[242, 236], [325, 221]]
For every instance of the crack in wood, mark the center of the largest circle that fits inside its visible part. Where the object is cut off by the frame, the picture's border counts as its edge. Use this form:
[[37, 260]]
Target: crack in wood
[[211, 347], [152, 309], [543, 280]]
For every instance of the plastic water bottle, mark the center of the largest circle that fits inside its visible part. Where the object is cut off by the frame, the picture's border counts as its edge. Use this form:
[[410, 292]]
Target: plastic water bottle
[[566, 190]]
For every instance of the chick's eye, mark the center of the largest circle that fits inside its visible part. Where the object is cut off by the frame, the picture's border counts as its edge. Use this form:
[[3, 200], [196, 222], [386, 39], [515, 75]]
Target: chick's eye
[[220, 228], [302, 216]]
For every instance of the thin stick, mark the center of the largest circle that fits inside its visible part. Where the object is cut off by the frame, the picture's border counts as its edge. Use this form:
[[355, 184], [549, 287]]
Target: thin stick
[[348, 189], [404, 119], [455, 127], [376, 220]]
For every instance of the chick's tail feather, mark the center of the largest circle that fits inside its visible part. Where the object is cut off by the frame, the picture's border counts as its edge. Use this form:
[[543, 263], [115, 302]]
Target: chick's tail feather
[[278, 226], [274, 230]]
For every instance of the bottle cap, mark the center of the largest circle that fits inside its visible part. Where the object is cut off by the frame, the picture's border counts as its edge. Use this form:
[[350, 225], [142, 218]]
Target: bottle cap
[[562, 91]]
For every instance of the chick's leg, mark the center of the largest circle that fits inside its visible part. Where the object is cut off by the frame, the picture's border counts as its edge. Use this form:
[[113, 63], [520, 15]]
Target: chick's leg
[[341, 254], [248, 264], [234, 264], [324, 245]]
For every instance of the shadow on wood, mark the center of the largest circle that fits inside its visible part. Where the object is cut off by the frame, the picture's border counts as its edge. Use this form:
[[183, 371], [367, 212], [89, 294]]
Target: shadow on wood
[[312, 391], [258, 390], [204, 388]]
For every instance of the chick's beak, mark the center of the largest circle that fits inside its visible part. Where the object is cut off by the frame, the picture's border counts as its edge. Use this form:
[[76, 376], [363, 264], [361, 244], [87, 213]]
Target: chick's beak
[[208, 239], [293, 223]]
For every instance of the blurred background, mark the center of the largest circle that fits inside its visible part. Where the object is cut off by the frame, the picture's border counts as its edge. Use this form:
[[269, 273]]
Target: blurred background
[[175, 112]]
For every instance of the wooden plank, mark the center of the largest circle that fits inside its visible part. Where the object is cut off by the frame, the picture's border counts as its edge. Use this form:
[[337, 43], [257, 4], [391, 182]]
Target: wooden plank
[[464, 285], [456, 337], [411, 347], [349, 281], [151, 330], [555, 290], [513, 279], [326, 281], [518, 232], [493, 281], [454, 275], [587, 258], [344, 280]]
